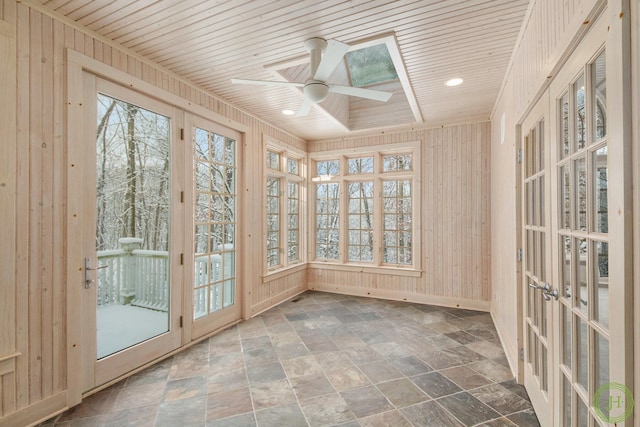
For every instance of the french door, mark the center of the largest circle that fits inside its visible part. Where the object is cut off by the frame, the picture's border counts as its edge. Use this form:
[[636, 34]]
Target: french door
[[132, 296], [539, 318], [574, 307], [211, 161]]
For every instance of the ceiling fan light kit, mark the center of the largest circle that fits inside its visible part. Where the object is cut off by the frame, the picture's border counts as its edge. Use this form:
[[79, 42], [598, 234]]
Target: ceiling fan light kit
[[324, 55]]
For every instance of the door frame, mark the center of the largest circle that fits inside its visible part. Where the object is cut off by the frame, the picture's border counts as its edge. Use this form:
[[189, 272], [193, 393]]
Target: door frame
[[76, 64], [538, 112], [97, 372], [196, 328]]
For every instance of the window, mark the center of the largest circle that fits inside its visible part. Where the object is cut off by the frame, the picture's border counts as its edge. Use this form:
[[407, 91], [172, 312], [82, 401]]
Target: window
[[284, 199], [363, 206]]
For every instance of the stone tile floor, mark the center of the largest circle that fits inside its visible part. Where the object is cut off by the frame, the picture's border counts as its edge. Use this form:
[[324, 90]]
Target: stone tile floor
[[326, 360]]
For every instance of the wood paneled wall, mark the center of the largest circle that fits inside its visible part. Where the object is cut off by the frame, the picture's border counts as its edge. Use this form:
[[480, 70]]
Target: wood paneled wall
[[32, 194], [455, 221], [551, 29]]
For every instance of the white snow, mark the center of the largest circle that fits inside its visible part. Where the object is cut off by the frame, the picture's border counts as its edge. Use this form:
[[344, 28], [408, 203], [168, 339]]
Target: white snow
[[121, 326]]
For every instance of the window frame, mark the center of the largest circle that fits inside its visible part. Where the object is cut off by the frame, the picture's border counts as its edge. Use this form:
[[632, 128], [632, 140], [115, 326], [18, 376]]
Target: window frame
[[378, 177], [285, 152]]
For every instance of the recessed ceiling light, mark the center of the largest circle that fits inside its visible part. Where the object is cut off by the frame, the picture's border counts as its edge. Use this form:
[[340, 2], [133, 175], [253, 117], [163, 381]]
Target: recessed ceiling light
[[454, 82], [288, 112]]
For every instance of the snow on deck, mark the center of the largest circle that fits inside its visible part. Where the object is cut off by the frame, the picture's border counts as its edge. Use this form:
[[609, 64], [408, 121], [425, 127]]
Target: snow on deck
[[121, 326]]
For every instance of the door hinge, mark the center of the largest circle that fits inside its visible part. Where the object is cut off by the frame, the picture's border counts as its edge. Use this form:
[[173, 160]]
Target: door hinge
[[522, 354], [181, 134], [182, 197], [519, 254], [181, 259], [181, 321], [520, 156]]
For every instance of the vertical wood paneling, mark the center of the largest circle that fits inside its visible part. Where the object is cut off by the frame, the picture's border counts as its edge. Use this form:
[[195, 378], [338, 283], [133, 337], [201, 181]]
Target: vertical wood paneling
[[8, 211], [21, 385]]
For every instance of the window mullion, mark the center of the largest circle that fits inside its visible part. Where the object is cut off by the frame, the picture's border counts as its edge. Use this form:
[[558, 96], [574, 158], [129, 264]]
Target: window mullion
[[377, 221]]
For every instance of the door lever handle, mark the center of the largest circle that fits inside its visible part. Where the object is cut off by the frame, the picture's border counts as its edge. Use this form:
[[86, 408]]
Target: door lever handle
[[547, 291], [87, 268], [545, 288]]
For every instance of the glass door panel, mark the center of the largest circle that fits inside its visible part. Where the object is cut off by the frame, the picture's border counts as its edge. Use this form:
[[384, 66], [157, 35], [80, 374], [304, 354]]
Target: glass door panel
[[213, 194], [538, 317], [132, 232], [583, 240], [131, 299]]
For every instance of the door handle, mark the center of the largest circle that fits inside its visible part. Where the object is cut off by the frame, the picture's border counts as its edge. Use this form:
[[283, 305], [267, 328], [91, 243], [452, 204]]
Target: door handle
[[547, 291], [87, 268]]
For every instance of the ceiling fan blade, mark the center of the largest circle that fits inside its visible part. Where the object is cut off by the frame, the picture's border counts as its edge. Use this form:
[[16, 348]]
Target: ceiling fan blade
[[376, 95], [304, 108], [332, 55], [266, 83]]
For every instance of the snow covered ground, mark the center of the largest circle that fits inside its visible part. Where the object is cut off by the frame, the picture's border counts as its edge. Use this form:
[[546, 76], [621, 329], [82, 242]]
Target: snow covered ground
[[121, 326]]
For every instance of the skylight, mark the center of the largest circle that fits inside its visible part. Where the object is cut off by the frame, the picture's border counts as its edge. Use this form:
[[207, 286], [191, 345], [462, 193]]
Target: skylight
[[371, 65]]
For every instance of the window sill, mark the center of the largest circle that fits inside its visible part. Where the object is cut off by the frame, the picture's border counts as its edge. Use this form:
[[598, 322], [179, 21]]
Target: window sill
[[394, 271], [283, 272]]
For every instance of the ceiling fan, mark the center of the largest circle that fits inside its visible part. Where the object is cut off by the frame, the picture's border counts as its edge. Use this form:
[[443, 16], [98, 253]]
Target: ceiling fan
[[325, 56]]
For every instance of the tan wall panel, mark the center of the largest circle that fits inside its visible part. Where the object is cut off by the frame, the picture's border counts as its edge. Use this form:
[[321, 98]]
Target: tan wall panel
[[8, 218]]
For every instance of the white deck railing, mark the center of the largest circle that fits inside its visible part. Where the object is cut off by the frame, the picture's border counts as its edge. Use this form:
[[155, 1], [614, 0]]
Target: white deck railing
[[141, 278], [134, 276]]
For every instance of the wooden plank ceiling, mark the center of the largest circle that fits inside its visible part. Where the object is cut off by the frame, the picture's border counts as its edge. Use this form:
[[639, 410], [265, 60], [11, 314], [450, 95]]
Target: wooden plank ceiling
[[208, 42]]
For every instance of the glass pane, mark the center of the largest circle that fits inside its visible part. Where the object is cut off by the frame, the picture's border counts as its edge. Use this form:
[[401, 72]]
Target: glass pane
[[544, 368], [214, 234], [328, 168], [543, 317], [601, 358], [396, 162], [580, 186], [601, 191], [541, 145], [566, 339], [566, 398], [273, 160], [583, 414], [360, 165], [533, 160], [566, 266], [273, 222], [582, 261], [599, 73], [531, 340], [360, 205], [133, 182], [530, 206], [565, 146], [293, 221], [582, 345], [327, 221], [397, 220], [371, 65], [601, 282], [541, 193], [565, 191], [580, 117], [293, 166]]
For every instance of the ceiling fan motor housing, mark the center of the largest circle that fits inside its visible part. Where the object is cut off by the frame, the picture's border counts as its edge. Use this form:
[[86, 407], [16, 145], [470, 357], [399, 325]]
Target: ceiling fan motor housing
[[315, 90]]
